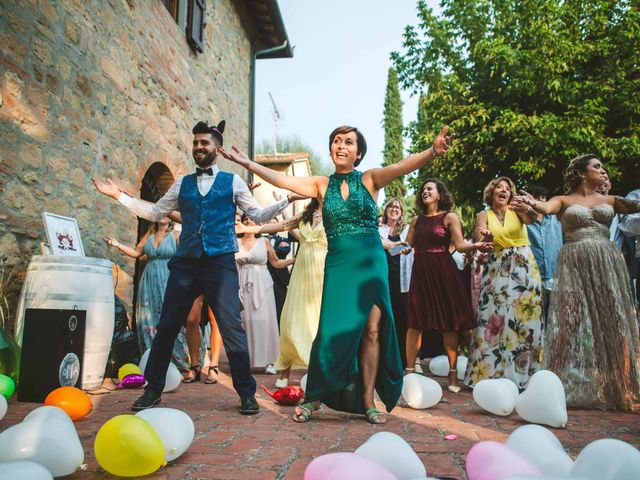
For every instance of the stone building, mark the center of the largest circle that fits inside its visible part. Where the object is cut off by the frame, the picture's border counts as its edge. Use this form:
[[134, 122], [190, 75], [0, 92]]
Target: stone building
[[111, 89]]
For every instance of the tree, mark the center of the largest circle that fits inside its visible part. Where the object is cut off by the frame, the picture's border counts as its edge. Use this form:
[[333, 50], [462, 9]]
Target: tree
[[392, 124], [293, 144], [526, 86]]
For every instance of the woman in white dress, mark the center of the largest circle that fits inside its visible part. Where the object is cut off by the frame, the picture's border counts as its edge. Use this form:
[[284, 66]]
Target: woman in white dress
[[259, 317]]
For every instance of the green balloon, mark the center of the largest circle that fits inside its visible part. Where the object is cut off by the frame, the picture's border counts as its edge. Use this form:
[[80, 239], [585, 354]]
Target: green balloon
[[7, 387]]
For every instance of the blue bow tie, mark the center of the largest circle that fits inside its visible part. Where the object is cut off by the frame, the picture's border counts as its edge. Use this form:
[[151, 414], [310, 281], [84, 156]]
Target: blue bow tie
[[200, 171]]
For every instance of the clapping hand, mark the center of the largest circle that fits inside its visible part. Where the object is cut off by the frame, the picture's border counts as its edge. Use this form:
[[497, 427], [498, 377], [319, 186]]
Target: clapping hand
[[487, 236]]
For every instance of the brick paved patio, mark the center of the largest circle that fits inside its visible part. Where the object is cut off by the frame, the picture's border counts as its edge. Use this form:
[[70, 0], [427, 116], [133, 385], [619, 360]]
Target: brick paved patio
[[271, 446]]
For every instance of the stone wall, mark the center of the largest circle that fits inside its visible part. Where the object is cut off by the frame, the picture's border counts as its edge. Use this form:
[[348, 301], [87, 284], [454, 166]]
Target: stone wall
[[105, 89]]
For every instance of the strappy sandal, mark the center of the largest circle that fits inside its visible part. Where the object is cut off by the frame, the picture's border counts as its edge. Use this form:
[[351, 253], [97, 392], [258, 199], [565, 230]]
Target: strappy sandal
[[193, 374], [375, 416], [306, 411], [212, 375]]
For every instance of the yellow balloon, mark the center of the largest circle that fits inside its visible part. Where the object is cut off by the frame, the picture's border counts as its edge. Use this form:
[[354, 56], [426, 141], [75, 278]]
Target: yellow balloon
[[128, 369], [128, 446]]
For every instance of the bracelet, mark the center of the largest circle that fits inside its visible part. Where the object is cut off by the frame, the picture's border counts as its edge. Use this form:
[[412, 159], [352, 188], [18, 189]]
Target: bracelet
[[433, 150]]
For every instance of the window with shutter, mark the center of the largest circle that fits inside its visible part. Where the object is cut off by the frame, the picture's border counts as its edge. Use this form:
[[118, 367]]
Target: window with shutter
[[196, 24]]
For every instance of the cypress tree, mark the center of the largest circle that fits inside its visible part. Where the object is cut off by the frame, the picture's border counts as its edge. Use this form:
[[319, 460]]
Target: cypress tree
[[392, 123]]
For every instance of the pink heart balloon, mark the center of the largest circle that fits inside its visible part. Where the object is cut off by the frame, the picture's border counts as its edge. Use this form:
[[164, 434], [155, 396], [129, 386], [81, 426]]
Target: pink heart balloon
[[494, 461], [345, 466]]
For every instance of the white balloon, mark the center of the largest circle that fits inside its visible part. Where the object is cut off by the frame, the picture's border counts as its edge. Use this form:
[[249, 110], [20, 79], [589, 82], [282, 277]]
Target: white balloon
[[394, 454], [45, 438], [23, 471], [496, 395], [303, 382], [544, 400], [542, 447], [174, 427], [47, 412], [173, 378], [607, 459], [439, 366], [3, 407], [543, 477], [421, 392], [461, 366]]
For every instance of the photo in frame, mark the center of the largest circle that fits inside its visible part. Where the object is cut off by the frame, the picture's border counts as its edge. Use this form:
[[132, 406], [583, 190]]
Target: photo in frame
[[63, 235]]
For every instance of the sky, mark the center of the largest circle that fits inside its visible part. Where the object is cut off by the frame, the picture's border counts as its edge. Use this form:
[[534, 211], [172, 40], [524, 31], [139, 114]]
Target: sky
[[338, 73]]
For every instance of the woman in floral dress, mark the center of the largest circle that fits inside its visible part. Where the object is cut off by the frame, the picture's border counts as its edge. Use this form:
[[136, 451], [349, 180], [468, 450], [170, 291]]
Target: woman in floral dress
[[508, 341]]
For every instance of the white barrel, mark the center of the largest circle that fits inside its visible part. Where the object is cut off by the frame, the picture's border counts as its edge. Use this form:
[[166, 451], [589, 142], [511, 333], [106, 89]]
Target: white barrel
[[84, 283]]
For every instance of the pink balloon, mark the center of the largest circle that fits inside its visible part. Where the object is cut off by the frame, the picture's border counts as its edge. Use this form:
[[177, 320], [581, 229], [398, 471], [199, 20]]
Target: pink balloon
[[493, 461], [345, 466], [133, 380]]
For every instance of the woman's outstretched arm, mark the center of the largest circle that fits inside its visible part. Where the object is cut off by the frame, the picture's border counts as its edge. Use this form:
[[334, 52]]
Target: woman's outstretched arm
[[383, 176], [307, 186]]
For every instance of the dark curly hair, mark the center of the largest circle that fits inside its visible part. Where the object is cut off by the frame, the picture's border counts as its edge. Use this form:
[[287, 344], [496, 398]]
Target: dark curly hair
[[571, 174], [360, 140], [445, 203], [307, 214]]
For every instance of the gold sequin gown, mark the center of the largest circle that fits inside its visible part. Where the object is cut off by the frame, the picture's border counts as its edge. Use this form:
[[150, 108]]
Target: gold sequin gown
[[592, 334]]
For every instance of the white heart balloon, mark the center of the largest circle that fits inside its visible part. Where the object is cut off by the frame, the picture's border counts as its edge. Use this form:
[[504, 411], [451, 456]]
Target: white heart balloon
[[607, 459], [44, 438], [23, 471], [394, 454], [3, 407], [544, 400], [173, 378], [461, 366], [421, 392], [542, 447], [174, 427], [49, 412], [439, 366], [303, 382], [496, 395]]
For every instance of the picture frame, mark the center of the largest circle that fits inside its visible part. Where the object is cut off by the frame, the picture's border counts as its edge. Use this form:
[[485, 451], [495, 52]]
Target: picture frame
[[63, 235]]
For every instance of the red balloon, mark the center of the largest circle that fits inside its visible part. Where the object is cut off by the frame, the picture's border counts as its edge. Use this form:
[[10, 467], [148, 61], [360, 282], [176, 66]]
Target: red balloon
[[287, 395]]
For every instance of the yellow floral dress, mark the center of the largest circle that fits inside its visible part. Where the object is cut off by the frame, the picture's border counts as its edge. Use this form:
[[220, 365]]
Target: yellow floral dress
[[508, 340]]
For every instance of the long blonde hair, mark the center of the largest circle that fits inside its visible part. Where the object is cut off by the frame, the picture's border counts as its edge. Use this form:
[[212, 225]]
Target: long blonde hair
[[400, 224]]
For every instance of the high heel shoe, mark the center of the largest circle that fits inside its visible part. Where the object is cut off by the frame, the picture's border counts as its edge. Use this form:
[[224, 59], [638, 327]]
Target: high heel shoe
[[193, 375], [212, 375]]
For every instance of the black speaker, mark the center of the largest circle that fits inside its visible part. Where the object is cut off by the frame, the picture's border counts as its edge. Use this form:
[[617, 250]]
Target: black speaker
[[52, 352]]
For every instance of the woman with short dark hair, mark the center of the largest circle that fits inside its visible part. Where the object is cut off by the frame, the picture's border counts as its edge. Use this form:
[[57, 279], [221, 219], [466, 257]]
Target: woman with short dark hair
[[356, 349]]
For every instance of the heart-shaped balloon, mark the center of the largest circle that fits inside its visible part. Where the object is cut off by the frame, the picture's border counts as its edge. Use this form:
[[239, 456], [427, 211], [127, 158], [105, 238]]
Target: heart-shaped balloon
[[174, 427], [421, 392], [494, 461], [496, 395], [544, 400], [23, 471], [47, 437], [345, 466], [394, 454], [290, 395], [607, 459], [542, 447], [439, 366]]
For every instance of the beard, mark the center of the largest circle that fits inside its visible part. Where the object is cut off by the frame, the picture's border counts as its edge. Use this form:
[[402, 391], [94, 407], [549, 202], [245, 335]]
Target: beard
[[205, 161]]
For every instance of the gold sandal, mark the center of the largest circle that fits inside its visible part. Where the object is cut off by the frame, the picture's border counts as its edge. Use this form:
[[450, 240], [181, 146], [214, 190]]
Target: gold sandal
[[306, 411]]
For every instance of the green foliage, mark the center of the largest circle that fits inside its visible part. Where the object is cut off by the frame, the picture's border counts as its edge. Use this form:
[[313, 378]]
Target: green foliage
[[392, 124], [526, 86], [293, 144]]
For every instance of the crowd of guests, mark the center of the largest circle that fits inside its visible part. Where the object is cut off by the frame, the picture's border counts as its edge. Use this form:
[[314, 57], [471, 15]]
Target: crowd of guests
[[540, 283]]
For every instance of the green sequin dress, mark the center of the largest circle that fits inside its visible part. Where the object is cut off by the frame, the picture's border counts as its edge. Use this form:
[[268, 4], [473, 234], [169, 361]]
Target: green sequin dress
[[355, 279]]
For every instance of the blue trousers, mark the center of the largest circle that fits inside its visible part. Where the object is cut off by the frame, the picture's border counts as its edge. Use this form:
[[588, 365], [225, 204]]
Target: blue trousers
[[217, 278]]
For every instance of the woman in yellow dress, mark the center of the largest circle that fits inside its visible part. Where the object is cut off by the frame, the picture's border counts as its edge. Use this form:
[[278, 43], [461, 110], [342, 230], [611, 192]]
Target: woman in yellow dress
[[301, 310]]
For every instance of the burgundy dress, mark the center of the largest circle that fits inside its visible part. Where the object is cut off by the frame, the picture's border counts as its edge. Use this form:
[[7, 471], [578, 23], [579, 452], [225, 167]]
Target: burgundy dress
[[437, 297]]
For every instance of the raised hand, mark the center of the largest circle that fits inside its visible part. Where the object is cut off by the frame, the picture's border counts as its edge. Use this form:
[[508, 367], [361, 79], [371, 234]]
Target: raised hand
[[487, 236], [236, 156], [112, 242], [443, 142], [109, 189]]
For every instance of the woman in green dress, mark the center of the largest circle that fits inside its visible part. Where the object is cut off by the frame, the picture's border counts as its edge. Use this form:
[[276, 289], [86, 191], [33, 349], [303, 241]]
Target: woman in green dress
[[356, 349]]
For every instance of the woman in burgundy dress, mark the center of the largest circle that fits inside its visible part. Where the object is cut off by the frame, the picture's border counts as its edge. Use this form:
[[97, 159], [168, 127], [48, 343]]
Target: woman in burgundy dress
[[437, 298]]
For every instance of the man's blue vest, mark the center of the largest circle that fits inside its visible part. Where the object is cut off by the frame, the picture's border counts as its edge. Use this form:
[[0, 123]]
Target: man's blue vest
[[208, 222]]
